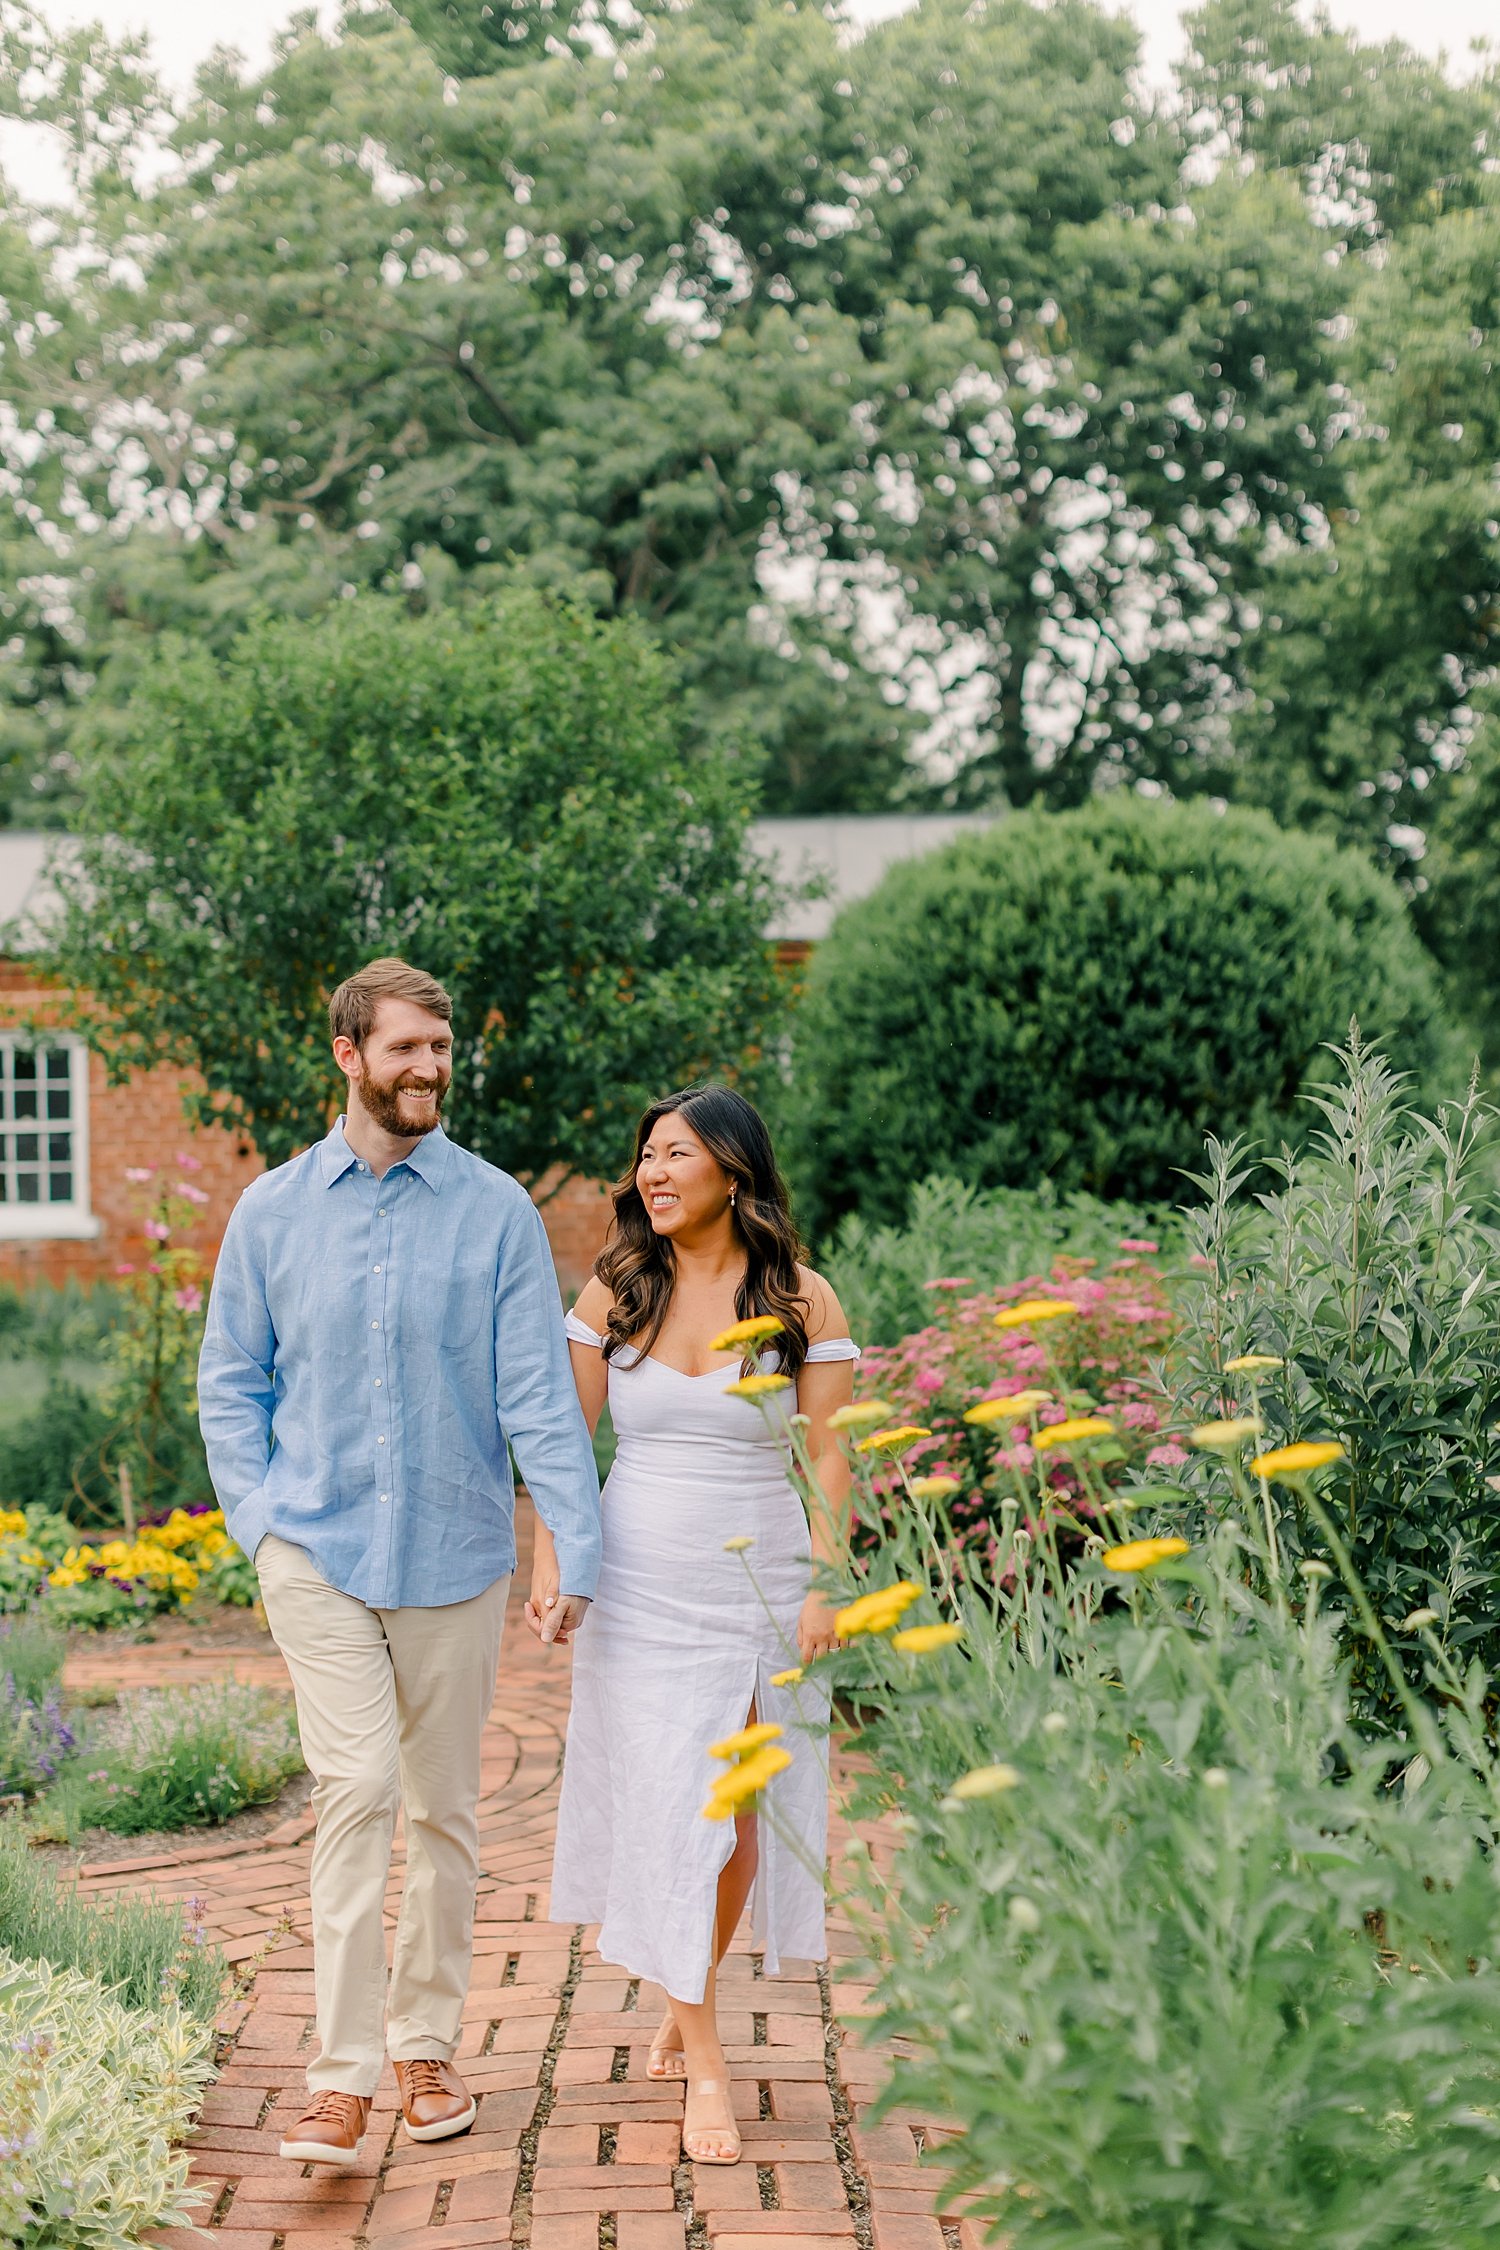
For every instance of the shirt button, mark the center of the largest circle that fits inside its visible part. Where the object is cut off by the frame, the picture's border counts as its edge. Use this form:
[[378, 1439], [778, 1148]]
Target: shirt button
[[377, 1382], [363, 1167], [374, 1324], [382, 1210], [384, 1497], [380, 1441], [374, 1269]]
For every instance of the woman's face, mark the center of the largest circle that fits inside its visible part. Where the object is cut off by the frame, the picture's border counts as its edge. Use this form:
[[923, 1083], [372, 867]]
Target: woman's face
[[682, 1186]]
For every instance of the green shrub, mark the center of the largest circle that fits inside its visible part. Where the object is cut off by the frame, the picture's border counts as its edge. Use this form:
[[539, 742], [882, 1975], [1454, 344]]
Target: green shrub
[[31, 1653], [1083, 996], [51, 1457], [145, 1950], [1373, 1276], [95, 2095], [176, 1758], [1184, 1958], [883, 1275]]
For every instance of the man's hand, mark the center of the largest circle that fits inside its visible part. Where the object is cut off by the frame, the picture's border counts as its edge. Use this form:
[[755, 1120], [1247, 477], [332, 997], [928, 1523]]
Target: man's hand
[[553, 1616]]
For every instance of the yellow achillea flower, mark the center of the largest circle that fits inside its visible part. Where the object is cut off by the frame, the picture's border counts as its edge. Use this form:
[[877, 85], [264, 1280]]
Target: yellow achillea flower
[[757, 1386], [748, 1332], [934, 1488], [1141, 1554], [985, 1781], [1034, 1308], [1298, 1460], [738, 1544], [744, 1782], [920, 1640], [892, 1441], [1074, 1432], [749, 1738], [862, 1414], [12, 1520], [788, 1678], [1008, 1409], [877, 1612], [1251, 1363], [1223, 1437]]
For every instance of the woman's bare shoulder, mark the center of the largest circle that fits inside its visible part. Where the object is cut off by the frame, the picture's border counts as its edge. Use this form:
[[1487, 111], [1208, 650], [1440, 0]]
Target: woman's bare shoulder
[[825, 1315], [595, 1303]]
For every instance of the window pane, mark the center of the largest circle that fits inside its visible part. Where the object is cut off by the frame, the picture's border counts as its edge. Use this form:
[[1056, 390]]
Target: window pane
[[59, 1063], [28, 1188], [59, 1187], [59, 1101], [28, 1147], [60, 1148], [4, 1189], [26, 1101], [23, 1062]]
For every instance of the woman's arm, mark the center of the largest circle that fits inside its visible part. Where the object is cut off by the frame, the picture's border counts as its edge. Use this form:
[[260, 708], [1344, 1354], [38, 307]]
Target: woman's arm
[[822, 1387], [591, 1378]]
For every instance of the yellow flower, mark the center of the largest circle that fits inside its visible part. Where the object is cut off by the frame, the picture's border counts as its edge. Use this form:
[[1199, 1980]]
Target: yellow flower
[[757, 1386], [892, 1441], [738, 1544], [1011, 1408], [1223, 1437], [1073, 1433], [863, 1414], [748, 1332], [921, 1640], [934, 1488], [1034, 1308], [748, 1739], [877, 1612], [12, 1520], [985, 1781], [1250, 1363], [1140, 1554], [1297, 1460], [788, 1678], [744, 1782]]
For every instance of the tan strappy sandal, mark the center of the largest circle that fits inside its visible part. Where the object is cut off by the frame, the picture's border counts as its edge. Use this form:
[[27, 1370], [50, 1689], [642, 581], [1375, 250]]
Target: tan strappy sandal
[[663, 2061], [696, 2088]]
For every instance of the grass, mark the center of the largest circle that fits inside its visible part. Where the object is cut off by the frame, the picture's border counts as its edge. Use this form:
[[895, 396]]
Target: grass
[[32, 1652], [141, 1948], [174, 1758]]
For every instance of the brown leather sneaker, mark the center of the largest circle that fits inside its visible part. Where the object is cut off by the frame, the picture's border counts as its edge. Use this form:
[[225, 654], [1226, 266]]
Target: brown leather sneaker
[[434, 2099], [329, 2130]]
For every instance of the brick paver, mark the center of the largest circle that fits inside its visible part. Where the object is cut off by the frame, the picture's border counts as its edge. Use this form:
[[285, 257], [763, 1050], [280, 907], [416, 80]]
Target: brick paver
[[573, 2147]]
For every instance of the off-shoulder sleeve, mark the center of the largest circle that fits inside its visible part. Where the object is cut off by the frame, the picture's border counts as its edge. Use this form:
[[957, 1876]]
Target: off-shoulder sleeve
[[578, 1332], [833, 1347]]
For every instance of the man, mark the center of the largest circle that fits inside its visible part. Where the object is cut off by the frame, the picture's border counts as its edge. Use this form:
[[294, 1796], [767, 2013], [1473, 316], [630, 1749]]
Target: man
[[384, 1317]]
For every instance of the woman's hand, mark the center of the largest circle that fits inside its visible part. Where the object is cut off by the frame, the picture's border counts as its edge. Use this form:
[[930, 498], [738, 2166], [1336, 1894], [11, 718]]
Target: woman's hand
[[543, 1599], [817, 1634]]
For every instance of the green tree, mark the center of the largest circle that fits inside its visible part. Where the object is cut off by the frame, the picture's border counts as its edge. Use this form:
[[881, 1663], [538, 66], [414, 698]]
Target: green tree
[[501, 796], [1083, 996]]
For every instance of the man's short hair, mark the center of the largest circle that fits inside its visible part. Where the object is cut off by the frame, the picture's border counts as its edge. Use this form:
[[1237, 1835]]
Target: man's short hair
[[351, 1011]]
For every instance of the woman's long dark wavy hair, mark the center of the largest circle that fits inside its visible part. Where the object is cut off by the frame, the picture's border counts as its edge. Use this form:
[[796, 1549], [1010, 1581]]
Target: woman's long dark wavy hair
[[638, 1266]]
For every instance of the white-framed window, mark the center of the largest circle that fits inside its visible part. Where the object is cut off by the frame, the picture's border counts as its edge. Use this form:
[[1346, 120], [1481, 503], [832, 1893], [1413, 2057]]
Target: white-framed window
[[44, 1137]]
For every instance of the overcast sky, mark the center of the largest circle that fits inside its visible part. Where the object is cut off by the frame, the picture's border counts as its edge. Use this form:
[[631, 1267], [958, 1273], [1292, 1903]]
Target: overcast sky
[[181, 33]]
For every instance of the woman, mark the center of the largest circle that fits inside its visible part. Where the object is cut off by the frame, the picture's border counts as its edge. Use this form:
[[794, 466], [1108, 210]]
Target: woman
[[687, 1636]]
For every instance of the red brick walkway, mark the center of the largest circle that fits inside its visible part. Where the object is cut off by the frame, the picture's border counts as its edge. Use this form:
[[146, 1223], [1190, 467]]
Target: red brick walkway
[[573, 2149]]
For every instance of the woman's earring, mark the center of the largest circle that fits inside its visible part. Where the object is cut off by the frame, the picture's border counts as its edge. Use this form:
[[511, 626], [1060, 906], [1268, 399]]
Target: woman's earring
[[733, 1191]]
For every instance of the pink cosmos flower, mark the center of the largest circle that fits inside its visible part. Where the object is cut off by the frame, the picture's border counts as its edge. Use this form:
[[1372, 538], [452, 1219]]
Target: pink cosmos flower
[[123, 1270], [191, 1194], [137, 1176], [157, 1230], [189, 1299], [187, 1162]]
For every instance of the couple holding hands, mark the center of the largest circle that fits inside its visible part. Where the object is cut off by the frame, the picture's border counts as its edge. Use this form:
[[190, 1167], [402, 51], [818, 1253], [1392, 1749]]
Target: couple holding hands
[[384, 1330]]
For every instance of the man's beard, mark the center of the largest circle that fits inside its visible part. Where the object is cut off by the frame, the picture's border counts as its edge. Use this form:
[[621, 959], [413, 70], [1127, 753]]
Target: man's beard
[[382, 1104]]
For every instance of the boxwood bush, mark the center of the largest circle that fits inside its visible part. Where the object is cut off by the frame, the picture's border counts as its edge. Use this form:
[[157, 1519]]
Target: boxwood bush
[[1084, 995]]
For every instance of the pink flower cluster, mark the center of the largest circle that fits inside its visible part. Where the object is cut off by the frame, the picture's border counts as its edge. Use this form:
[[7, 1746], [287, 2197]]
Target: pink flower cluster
[[1098, 1360]]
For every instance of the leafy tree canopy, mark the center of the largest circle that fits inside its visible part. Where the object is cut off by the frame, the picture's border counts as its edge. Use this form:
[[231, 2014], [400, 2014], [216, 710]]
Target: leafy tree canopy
[[973, 430], [501, 796]]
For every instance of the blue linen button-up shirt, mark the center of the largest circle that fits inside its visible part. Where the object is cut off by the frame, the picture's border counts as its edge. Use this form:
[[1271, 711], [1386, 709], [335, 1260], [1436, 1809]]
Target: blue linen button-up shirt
[[371, 1345]]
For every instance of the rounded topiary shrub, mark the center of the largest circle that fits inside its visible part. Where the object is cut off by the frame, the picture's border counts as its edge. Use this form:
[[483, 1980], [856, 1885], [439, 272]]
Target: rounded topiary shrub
[[1084, 995]]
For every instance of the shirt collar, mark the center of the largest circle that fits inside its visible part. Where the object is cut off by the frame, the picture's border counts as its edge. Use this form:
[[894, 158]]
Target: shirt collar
[[428, 1160]]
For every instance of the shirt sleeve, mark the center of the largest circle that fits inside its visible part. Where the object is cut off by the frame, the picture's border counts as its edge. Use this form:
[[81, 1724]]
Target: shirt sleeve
[[537, 1401], [236, 1382]]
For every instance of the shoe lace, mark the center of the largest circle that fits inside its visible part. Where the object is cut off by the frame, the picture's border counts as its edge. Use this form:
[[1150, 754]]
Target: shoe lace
[[335, 2108], [425, 2076]]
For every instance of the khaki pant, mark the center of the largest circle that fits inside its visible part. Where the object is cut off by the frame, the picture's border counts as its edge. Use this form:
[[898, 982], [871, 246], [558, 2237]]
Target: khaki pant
[[391, 1704]]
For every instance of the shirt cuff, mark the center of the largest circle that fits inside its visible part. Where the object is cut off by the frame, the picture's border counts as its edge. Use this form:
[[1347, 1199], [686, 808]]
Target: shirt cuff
[[248, 1521], [577, 1567]]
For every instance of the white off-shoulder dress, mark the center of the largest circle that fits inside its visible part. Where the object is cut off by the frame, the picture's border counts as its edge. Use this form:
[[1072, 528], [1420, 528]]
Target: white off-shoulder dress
[[680, 1641]]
